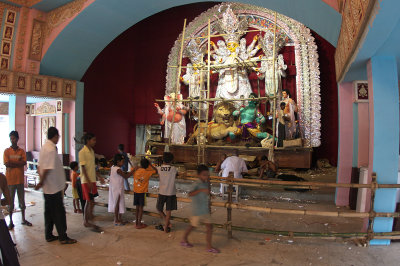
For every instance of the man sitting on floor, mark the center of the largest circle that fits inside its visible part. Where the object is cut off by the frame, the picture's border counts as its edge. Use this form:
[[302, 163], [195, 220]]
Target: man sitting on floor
[[268, 168]]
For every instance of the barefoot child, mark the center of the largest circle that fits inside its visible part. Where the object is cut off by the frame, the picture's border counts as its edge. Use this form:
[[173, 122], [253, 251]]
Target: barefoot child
[[116, 199], [74, 176], [167, 193], [141, 184], [200, 195]]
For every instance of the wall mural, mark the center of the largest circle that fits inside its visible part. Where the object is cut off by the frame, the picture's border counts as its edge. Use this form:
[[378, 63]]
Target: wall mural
[[46, 123], [35, 52]]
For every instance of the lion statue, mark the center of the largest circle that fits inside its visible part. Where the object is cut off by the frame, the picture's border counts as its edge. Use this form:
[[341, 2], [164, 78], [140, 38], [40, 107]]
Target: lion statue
[[221, 125]]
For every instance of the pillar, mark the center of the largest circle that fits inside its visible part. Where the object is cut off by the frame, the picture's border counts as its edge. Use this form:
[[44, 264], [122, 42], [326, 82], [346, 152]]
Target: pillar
[[363, 134], [345, 153], [384, 136], [17, 117], [79, 100]]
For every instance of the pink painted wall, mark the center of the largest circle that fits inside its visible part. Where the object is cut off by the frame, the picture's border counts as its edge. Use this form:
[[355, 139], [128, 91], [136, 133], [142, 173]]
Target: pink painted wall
[[69, 107], [333, 4], [363, 134], [35, 127], [54, 33], [345, 157], [20, 119]]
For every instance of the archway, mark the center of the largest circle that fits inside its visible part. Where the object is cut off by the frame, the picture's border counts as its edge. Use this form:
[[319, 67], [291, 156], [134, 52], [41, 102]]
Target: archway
[[89, 33]]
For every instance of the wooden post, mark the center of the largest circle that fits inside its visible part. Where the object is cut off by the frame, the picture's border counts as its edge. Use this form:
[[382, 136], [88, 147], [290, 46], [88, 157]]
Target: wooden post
[[178, 84], [229, 206], [372, 213], [271, 154]]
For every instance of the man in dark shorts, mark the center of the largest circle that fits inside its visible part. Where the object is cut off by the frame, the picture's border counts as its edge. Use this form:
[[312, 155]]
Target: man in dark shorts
[[167, 192]]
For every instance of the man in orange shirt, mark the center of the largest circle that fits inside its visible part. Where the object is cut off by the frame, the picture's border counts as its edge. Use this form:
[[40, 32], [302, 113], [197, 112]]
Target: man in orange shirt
[[140, 187], [15, 161]]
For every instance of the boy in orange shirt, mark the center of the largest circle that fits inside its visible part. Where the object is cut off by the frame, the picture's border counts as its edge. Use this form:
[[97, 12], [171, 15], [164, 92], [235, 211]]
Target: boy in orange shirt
[[140, 187], [15, 161], [74, 176]]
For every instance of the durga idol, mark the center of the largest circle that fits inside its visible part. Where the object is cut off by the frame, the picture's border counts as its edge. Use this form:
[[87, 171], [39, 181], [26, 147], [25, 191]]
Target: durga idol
[[233, 79]]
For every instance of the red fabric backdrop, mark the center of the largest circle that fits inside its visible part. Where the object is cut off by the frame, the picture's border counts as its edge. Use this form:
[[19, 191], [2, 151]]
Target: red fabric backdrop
[[125, 78]]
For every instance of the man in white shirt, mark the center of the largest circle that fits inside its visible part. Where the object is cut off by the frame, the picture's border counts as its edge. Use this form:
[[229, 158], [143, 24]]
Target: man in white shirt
[[52, 182], [233, 164]]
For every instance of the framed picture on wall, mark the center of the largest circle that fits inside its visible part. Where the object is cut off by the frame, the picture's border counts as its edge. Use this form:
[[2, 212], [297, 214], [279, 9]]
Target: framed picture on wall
[[21, 82], [11, 17], [8, 32], [27, 109], [59, 106], [39, 85], [6, 48], [361, 93], [4, 62], [32, 109]]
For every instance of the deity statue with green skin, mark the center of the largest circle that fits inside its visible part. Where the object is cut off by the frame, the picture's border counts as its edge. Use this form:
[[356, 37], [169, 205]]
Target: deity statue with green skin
[[250, 121]]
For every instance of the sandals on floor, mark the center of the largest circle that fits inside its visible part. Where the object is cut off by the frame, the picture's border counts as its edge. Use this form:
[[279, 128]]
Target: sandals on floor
[[96, 229], [213, 250], [11, 226], [186, 244], [68, 241], [159, 227], [26, 223], [52, 238], [119, 224]]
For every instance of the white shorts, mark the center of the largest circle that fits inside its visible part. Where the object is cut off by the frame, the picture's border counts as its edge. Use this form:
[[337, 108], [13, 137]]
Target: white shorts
[[196, 220]]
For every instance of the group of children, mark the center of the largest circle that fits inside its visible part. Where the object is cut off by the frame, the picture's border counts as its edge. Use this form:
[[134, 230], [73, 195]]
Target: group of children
[[200, 194]]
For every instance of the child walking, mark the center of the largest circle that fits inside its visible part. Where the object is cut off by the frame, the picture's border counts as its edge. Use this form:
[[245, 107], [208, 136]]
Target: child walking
[[116, 199], [141, 179], [74, 176], [200, 195], [167, 192]]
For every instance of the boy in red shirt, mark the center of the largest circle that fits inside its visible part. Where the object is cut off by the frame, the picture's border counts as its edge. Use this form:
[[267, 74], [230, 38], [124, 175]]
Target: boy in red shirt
[[141, 179]]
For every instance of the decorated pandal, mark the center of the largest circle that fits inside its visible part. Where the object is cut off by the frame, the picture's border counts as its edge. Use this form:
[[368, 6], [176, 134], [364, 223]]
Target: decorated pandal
[[232, 72]]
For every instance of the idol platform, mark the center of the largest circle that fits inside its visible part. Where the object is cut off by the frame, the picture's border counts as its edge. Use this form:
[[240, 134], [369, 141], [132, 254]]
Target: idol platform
[[285, 158]]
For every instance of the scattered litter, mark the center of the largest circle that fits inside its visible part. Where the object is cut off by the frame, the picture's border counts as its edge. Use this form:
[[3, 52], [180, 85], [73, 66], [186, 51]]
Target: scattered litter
[[31, 203], [102, 232], [267, 239], [326, 224], [92, 244], [320, 258], [119, 263], [290, 241], [349, 247]]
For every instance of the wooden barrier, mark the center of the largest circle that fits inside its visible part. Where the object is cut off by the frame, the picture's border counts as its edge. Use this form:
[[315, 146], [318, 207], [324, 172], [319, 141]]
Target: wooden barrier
[[229, 205]]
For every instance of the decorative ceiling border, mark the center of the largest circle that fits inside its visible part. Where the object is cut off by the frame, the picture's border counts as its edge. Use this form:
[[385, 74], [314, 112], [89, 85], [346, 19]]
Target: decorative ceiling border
[[306, 58], [36, 85], [355, 17]]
